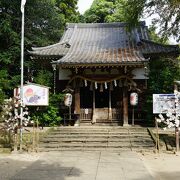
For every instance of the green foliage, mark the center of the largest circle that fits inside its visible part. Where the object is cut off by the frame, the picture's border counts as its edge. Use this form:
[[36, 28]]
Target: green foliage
[[99, 11], [44, 24], [155, 37], [44, 77], [2, 97], [162, 74], [167, 15], [106, 11], [50, 115]]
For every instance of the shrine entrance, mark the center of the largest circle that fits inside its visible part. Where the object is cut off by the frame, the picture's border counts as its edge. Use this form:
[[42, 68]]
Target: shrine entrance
[[102, 99], [101, 105]]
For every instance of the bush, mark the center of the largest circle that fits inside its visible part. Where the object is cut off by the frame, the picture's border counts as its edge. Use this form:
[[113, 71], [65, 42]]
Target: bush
[[50, 115]]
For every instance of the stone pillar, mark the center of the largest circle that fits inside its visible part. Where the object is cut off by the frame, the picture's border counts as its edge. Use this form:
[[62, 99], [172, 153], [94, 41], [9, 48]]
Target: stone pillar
[[125, 106]]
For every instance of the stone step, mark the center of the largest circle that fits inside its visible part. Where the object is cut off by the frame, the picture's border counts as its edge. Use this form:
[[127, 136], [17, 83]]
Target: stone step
[[133, 143], [72, 145], [105, 136], [99, 131], [101, 124], [102, 145], [5, 150], [97, 138], [94, 132], [109, 149], [100, 128]]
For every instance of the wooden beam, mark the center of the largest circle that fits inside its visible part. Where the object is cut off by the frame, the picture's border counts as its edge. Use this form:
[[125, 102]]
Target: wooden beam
[[77, 109], [77, 101], [94, 107], [110, 108], [125, 106]]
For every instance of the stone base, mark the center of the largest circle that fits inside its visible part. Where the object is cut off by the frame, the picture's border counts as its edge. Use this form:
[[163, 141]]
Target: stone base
[[126, 125]]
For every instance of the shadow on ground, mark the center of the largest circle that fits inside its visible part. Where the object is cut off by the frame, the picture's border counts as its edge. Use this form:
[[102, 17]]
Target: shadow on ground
[[38, 170]]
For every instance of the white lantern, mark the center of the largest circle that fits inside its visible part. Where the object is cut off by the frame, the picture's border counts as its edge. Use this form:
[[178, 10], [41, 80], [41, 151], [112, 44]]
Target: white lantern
[[134, 99], [68, 99]]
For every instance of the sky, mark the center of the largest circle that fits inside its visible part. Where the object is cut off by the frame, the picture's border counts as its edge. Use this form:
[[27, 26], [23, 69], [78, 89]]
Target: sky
[[83, 5]]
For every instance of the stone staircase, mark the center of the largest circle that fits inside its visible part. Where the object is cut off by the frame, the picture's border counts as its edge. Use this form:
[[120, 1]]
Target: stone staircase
[[97, 139], [101, 122]]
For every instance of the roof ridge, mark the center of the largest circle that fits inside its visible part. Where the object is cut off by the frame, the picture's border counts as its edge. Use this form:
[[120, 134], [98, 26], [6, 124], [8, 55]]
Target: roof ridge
[[104, 25], [50, 46], [165, 45]]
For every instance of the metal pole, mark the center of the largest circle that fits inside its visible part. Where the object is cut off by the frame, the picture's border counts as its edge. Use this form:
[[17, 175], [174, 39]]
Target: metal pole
[[54, 81], [177, 138], [157, 136], [22, 79], [176, 128], [69, 113], [54, 74]]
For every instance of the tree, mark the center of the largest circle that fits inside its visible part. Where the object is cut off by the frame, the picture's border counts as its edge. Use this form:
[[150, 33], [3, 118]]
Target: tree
[[167, 15], [44, 24], [106, 11], [161, 82]]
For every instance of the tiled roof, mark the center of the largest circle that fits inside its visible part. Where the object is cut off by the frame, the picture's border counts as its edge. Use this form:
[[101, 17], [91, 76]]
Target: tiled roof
[[102, 44], [150, 47], [54, 51]]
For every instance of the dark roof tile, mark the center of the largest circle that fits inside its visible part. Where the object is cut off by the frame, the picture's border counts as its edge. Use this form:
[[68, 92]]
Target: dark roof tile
[[102, 43]]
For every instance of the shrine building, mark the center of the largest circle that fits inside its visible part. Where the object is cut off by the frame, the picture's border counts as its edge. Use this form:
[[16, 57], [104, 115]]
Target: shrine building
[[103, 63]]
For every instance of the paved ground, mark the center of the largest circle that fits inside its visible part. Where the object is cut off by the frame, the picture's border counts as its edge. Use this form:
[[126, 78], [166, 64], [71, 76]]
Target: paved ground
[[163, 166], [74, 166], [125, 165]]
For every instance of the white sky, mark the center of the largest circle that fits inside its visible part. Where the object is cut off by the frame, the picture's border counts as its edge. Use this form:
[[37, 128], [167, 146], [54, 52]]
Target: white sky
[[83, 5]]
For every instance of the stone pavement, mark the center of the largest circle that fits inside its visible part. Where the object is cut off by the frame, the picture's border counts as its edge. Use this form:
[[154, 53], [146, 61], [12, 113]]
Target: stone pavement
[[125, 165]]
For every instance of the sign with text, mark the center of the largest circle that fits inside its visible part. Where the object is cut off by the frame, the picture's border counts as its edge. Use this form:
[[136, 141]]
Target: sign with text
[[162, 103]]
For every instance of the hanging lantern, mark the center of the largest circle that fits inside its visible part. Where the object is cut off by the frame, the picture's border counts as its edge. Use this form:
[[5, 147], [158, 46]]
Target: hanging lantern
[[105, 85], [85, 83], [115, 83], [68, 99], [133, 99], [101, 88], [120, 83], [96, 86]]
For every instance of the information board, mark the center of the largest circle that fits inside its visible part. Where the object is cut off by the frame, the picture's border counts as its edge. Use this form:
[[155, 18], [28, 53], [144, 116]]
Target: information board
[[162, 103]]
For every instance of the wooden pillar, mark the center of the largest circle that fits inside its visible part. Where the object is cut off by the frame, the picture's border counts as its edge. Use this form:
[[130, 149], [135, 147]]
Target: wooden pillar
[[110, 108], [77, 109], [125, 106], [94, 106]]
